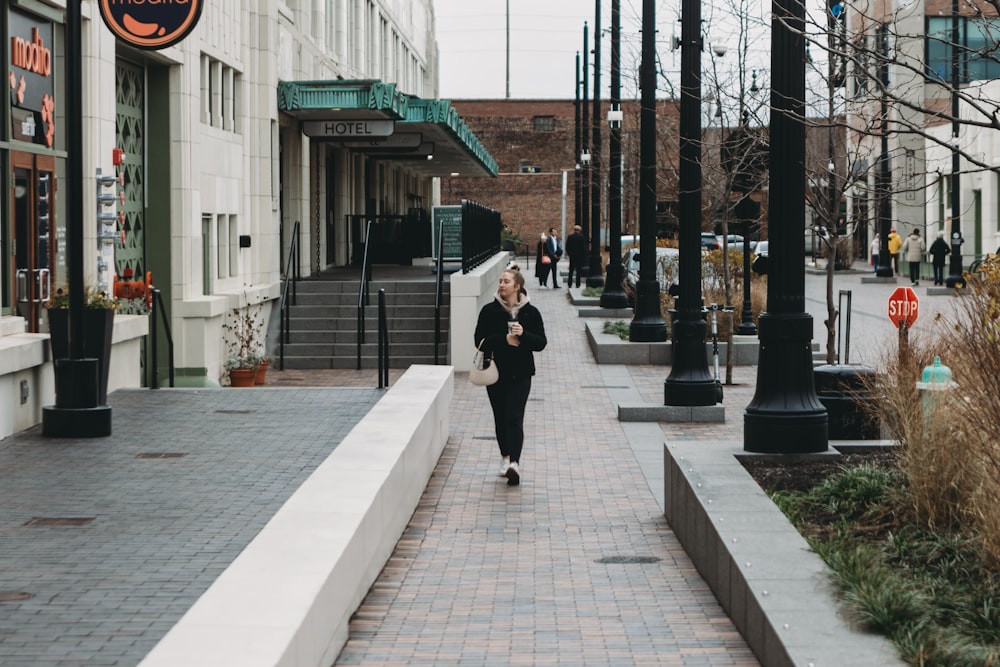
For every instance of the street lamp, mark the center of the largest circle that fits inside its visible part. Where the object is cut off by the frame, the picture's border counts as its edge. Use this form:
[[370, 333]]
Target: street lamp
[[647, 325], [689, 382], [585, 162], [785, 415], [595, 277], [614, 294]]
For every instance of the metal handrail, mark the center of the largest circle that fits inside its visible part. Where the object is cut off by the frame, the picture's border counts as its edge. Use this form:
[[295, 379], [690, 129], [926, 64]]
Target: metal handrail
[[439, 279], [284, 312], [158, 305], [363, 296], [383, 342]]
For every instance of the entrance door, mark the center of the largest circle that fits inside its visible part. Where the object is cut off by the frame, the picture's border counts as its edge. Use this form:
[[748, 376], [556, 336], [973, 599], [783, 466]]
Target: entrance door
[[33, 212]]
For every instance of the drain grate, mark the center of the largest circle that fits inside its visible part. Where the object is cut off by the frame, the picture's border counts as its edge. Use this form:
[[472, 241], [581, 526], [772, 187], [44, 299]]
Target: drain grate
[[235, 412], [160, 455], [628, 560], [59, 521], [14, 596]]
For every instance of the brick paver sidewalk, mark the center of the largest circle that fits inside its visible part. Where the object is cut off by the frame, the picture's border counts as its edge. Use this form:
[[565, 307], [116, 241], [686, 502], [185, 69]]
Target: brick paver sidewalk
[[487, 574]]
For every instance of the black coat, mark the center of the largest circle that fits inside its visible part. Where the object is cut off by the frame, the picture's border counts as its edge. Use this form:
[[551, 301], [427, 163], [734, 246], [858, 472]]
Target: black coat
[[939, 250], [576, 247], [491, 328]]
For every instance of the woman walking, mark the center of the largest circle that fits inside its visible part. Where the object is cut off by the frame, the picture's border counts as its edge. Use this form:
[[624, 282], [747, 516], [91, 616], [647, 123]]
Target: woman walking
[[510, 329]]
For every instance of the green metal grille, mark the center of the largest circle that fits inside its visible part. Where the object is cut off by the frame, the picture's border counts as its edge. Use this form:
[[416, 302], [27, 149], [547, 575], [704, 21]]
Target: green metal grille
[[130, 130]]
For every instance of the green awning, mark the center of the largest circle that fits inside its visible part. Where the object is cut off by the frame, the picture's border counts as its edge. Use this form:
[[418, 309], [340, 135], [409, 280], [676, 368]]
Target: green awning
[[445, 146]]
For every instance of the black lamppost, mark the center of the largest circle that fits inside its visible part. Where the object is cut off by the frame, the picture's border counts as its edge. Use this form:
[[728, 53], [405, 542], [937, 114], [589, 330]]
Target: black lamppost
[[77, 412], [614, 294], [955, 278], [883, 177], [647, 324], [785, 415], [689, 382], [595, 277], [583, 154], [577, 197], [747, 211]]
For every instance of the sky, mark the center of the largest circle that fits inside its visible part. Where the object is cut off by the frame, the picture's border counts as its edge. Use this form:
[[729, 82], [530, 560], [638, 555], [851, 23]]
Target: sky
[[546, 35]]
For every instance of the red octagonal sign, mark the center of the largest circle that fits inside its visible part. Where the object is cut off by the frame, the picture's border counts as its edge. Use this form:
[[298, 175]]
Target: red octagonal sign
[[903, 307]]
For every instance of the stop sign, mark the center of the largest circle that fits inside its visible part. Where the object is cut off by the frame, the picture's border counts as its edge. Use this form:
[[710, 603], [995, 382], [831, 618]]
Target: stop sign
[[903, 307]]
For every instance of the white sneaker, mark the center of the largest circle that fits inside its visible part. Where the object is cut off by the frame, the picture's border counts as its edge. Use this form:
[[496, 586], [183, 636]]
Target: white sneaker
[[504, 467], [513, 476]]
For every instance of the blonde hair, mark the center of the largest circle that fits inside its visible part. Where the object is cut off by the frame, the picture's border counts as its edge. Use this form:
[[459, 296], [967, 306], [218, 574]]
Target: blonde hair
[[518, 277]]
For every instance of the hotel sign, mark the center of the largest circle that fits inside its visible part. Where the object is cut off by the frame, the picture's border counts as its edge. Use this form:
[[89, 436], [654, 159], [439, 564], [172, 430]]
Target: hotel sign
[[32, 101], [348, 129], [150, 24]]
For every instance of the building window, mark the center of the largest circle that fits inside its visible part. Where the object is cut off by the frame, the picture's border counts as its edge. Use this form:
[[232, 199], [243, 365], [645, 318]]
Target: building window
[[234, 246], [545, 123], [206, 253], [978, 39], [221, 87], [222, 247]]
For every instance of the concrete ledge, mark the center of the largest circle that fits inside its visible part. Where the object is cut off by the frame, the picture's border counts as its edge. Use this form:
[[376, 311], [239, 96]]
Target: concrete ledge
[[610, 349], [651, 412], [772, 585], [288, 597], [947, 291], [576, 297], [616, 313]]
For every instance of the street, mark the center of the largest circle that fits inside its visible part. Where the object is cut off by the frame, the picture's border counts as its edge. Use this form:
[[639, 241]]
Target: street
[[872, 335]]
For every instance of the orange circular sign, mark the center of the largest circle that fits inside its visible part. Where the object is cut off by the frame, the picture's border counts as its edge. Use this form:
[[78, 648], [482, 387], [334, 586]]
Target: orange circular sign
[[151, 25]]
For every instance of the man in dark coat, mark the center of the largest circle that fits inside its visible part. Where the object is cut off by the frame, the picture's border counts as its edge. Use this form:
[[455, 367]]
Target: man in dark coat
[[939, 250], [576, 248]]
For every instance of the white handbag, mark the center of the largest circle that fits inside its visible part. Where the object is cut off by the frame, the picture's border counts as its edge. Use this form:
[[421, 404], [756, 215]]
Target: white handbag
[[484, 371]]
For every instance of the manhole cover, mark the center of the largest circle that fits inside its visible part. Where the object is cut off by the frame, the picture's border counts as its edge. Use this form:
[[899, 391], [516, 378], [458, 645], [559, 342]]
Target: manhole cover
[[234, 412], [627, 560], [59, 521], [160, 455], [14, 596]]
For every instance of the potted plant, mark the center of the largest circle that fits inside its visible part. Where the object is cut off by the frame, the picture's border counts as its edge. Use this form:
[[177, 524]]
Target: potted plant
[[98, 323], [246, 349]]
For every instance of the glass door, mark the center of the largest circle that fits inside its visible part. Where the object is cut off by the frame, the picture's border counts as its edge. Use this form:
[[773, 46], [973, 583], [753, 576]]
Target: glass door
[[32, 212]]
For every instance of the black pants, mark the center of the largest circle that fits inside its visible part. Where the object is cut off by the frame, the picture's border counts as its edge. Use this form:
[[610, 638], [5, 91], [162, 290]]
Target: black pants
[[938, 274], [574, 267], [508, 398], [555, 272], [914, 271]]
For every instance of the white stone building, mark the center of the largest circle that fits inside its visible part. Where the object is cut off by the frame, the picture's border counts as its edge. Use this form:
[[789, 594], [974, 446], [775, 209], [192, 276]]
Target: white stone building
[[268, 113]]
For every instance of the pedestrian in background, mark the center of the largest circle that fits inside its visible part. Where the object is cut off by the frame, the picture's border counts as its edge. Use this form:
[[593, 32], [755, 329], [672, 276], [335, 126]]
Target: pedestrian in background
[[913, 249], [576, 249], [554, 251], [876, 244], [542, 262], [510, 329], [939, 250], [895, 243]]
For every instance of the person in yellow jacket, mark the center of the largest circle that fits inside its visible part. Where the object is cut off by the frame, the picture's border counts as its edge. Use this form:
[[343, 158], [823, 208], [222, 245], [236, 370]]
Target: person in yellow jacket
[[895, 243]]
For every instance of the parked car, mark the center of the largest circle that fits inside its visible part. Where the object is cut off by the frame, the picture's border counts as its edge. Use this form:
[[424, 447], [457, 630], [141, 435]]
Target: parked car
[[760, 258], [710, 241], [666, 266], [734, 241]]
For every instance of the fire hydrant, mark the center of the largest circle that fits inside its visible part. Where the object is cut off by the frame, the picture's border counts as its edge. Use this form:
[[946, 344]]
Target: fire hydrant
[[935, 383]]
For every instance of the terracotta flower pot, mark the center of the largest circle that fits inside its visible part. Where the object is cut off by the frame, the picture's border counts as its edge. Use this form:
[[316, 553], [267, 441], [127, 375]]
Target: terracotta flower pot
[[260, 377], [242, 377]]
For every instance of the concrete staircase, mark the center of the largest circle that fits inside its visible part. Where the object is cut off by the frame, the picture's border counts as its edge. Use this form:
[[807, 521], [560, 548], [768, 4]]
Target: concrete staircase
[[323, 324]]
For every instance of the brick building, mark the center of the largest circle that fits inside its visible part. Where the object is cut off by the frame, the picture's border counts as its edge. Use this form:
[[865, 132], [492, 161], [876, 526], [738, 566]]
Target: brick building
[[534, 143]]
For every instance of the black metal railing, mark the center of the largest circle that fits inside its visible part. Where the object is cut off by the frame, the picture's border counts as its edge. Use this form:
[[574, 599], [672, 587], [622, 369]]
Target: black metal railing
[[363, 284], [157, 306], [288, 284], [439, 281], [481, 228], [383, 342]]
